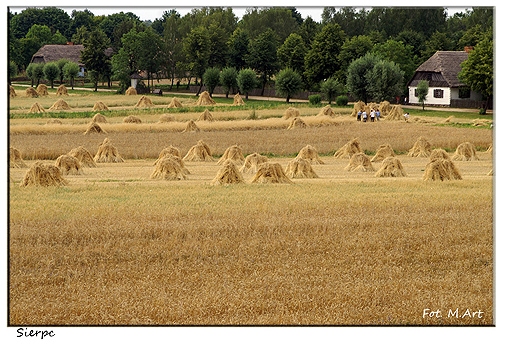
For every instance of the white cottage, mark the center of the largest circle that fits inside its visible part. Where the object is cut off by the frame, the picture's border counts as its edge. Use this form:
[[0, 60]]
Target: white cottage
[[445, 89]]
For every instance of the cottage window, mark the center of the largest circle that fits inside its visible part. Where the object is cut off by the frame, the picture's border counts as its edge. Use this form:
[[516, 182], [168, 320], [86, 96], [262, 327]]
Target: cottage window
[[438, 93], [464, 92]]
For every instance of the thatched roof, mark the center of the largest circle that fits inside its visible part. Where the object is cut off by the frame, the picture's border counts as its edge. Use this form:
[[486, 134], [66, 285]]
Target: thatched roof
[[55, 52], [441, 70]]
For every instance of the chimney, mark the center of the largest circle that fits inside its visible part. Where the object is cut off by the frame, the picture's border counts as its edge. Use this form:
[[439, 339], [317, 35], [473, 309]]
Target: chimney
[[467, 49], [70, 43]]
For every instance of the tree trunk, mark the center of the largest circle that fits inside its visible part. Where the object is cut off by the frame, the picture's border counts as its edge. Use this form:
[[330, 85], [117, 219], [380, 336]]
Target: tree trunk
[[287, 99]]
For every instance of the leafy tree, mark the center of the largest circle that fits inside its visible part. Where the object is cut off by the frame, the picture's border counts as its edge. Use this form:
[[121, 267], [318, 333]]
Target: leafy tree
[[172, 45], [307, 31], [400, 54], [93, 56], [211, 79], [438, 41], [246, 81], [321, 61], [80, 19], [122, 68], [58, 38], [352, 49], [150, 48], [238, 49], [60, 63], [357, 76], [331, 88], [13, 70], [54, 18], [292, 53], [29, 71], [51, 72], [279, 19], [40, 33], [384, 81], [219, 50], [288, 83], [38, 72], [80, 36], [228, 79], [70, 71], [262, 56], [197, 50], [422, 91], [477, 71]]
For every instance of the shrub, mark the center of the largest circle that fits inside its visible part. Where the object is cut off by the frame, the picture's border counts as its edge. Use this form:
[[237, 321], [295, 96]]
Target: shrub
[[314, 99], [342, 100]]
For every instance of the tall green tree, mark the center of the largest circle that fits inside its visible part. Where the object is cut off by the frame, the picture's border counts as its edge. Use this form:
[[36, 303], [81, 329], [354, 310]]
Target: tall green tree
[[478, 71], [41, 33], [80, 19], [330, 89], [291, 53], [228, 79], [54, 18], [38, 72], [288, 83], [238, 45], [13, 70], [51, 72], [150, 57], [70, 71], [279, 19], [385, 81], [172, 46], [322, 60], [211, 79], [262, 56], [94, 57], [400, 54], [353, 48], [357, 76], [246, 81], [197, 49]]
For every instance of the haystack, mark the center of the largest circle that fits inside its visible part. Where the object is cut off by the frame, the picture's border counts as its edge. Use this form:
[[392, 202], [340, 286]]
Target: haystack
[[237, 100], [43, 174], [349, 149], [99, 106], [300, 168], [310, 153], [36, 108], [191, 127], [199, 152], [297, 122], [168, 168], [439, 154], [68, 165], [166, 118], [41, 89], [12, 92], [31, 92], [391, 167], [173, 155], [170, 150], [383, 152], [132, 119], [252, 162], [358, 106], [395, 114], [53, 122], [62, 90], [206, 116], [233, 154], [228, 174], [421, 148], [83, 156], [131, 91], [93, 127], [107, 153], [15, 158], [205, 99], [175, 103], [144, 102], [99, 118], [270, 173], [441, 170], [359, 162], [384, 108], [291, 112], [465, 152], [60, 104], [327, 111]]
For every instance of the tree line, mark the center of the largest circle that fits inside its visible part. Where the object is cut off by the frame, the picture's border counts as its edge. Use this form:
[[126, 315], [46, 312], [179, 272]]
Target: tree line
[[370, 53]]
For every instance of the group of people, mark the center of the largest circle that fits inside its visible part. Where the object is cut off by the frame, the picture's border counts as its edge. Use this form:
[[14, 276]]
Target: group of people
[[374, 114]]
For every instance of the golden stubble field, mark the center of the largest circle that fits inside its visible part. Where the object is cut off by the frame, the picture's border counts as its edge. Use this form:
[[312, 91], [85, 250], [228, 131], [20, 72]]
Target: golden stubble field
[[115, 247]]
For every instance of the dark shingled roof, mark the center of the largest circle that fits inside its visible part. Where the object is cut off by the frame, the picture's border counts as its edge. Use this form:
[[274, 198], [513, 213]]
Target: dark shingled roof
[[445, 63]]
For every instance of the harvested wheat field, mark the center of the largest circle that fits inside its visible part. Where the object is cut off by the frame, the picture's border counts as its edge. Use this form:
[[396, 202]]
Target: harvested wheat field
[[140, 242], [132, 119]]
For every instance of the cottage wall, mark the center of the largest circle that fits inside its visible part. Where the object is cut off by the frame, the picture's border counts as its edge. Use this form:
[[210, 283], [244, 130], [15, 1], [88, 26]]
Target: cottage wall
[[430, 97]]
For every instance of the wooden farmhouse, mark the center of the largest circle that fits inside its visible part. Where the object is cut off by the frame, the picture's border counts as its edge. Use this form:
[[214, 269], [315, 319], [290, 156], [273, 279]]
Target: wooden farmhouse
[[445, 89]]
